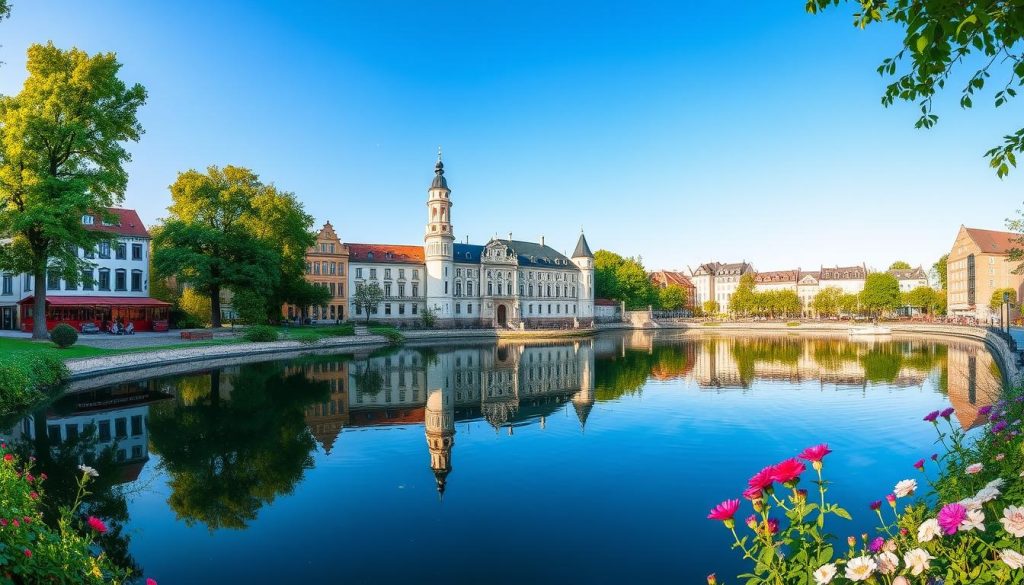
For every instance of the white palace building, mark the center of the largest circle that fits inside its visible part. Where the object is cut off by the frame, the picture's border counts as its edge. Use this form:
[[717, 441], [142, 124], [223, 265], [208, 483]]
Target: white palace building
[[503, 283]]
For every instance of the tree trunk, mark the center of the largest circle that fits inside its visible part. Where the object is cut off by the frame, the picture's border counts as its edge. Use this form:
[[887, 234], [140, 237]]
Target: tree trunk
[[215, 307], [39, 306]]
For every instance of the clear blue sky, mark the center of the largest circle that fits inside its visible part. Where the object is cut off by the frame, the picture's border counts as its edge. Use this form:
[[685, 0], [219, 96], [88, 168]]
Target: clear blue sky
[[680, 131]]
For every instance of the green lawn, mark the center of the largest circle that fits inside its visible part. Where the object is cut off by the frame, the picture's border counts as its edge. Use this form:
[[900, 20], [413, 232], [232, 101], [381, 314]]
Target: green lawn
[[8, 345], [310, 334]]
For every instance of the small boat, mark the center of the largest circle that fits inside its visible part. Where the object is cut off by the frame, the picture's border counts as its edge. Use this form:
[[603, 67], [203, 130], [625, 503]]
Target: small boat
[[869, 330]]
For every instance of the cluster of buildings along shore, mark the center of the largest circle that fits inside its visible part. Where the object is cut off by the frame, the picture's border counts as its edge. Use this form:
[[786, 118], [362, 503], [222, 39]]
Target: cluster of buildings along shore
[[502, 283]]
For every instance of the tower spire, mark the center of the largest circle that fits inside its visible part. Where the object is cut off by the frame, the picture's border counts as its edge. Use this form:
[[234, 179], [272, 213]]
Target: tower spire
[[438, 153]]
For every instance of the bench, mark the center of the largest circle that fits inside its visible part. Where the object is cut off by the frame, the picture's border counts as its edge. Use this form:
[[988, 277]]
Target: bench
[[191, 335]]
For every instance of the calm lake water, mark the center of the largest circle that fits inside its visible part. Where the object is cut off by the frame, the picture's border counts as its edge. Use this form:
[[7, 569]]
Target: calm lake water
[[590, 461]]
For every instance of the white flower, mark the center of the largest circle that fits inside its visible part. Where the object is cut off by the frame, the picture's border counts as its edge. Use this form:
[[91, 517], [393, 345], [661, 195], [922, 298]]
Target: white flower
[[860, 568], [996, 484], [824, 574], [1013, 520], [928, 530], [1012, 558], [917, 560], [901, 580], [975, 468], [88, 470], [970, 504], [975, 520], [987, 494], [905, 488], [887, 562]]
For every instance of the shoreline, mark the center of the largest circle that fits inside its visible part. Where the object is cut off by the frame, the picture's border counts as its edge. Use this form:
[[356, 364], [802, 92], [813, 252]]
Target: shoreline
[[92, 372]]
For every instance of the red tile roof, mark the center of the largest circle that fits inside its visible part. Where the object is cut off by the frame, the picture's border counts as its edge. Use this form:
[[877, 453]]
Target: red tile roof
[[993, 242], [777, 276], [127, 224], [666, 278], [385, 253]]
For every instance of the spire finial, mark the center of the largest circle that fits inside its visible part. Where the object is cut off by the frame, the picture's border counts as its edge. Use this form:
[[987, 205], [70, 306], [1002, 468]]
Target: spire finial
[[439, 152]]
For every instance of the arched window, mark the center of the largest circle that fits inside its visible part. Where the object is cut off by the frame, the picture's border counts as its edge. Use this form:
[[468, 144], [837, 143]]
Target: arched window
[[458, 288], [490, 289]]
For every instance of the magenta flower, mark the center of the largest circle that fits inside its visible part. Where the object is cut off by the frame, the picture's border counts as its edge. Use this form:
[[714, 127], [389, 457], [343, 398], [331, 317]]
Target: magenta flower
[[876, 505], [891, 498], [950, 517], [753, 493], [150, 581], [762, 479], [815, 453], [29, 477], [984, 410], [999, 426], [946, 413], [724, 511], [931, 416], [8, 457], [751, 522], [773, 525], [28, 553], [935, 457], [876, 544], [787, 471], [97, 524], [919, 465]]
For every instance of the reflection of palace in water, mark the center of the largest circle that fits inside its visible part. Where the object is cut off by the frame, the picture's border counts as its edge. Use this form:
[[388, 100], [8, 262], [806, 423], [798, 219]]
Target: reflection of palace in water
[[111, 418]]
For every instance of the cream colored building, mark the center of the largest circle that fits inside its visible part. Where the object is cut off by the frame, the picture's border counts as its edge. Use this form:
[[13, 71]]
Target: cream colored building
[[979, 263]]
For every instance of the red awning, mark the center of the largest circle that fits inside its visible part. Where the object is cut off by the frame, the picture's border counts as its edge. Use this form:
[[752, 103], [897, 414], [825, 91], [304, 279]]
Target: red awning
[[59, 301]]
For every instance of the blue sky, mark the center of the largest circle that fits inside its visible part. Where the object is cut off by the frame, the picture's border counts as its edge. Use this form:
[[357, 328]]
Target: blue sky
[[672, 130]]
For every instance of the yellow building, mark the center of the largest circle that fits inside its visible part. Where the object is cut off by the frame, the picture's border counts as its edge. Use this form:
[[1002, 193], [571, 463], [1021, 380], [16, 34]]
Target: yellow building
[[327, 266], [979, 263]]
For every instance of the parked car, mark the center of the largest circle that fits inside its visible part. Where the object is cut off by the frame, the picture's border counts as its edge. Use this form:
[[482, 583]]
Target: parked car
[[90, 328]]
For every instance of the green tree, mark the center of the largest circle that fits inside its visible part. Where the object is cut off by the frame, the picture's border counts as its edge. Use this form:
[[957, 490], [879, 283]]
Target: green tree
[[624, 279], [428, 317], [849, 304], [922, 297], [788, 303], [742, 301], [940, 269], [195, 305], [881, 293], [827, 302], [62, 157], [941, 37], [996, 302], [672, 298], [209, 241], [368, 297], [251, 307], [711, 308], [305, 294], [899, 265]]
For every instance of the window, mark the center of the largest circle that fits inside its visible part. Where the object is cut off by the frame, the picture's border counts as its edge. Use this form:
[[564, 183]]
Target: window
[[458, 288], [490, 289], [7, 287], [120, 279], [401, 308], [387, 308], [401, 273], [136, 251], [415, 307], [469, 308], [359, 309], [121, 251], [121, 428], [136, 280], [104, 436], [316, 268], [71, 431], [446, 287], [373, 273], [88, 220], [104, 279], [137, 425], [415, 274], [334, 267], [105, 250], [401, 289], [359, 272], [415, 289], [387, 274], [136, 451], [52, 280], [458, 308]]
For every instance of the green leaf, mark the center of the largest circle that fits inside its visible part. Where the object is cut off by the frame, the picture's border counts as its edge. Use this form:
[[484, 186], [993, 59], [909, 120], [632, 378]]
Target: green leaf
[[841, 513], [972, 19], [922, 43]]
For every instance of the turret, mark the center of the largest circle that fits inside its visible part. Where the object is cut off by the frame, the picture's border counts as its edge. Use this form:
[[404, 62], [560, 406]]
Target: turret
[[438, 245], [439, 422], [583, 258]]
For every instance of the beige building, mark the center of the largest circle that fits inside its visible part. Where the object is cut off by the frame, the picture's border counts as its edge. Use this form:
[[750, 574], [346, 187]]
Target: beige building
[[979, 263], [326, 266]]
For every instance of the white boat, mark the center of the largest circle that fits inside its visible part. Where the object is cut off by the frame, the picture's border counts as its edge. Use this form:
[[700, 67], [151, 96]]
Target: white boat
[[870, 330]]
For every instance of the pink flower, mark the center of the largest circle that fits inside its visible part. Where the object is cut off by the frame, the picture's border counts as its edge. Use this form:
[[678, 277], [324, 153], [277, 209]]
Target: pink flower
[[876, 544], [3, 521], [787, 471], [751, 522], [28, 553], [33, 495], [876, 505], [974, 468], [761, 480], [8, 457], [26, 520], [98, 525], [947, 413], [752, 493], [931, 416], [815, 453], [950, 517], [724, 511], [150, 581], [43, 476], [15, 523], [773, 526], [891, 498], [29, 477]]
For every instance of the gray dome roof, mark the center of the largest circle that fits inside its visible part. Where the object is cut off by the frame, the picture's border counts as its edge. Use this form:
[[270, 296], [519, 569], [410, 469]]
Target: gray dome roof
[[439, 180]]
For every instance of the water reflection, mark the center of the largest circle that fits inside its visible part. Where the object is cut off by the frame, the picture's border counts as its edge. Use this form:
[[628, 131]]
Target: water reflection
[[229, 442]]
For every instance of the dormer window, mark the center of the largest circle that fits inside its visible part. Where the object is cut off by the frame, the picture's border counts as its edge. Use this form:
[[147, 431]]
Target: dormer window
[[369, 255], [88, 220]]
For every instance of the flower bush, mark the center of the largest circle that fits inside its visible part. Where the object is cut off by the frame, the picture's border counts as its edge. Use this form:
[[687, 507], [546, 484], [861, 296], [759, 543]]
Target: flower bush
[[966, 528], [32, 551]]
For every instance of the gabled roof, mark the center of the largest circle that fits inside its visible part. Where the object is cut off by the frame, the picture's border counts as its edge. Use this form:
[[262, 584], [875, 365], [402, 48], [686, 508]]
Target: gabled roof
[[812, 274], [911, 274], [708, 268], [385, 253], [531, 254], [127, 223], [777, 276], [734, 268], [993, 242], [668, 278], [582, 248], [843, 273]]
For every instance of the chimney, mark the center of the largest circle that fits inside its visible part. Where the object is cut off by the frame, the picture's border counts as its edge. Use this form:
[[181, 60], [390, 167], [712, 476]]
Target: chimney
[[542, 240], [510, 236]]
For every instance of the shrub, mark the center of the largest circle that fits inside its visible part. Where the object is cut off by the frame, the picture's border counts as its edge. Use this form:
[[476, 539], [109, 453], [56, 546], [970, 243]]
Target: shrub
[[793, 324], [63, 335], [196, 306], [24, 379], [261, 334], [34, 552], [967, 530], [393, 336]]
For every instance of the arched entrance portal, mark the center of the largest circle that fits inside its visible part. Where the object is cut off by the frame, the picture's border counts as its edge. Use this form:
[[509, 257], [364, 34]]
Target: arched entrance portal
[[502, 316]]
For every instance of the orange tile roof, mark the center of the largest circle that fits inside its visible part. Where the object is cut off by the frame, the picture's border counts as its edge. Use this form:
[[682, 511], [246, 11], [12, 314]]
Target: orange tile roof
[[777, 276], [666, 278], [127, 223], [993, 242], [385, 253]]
